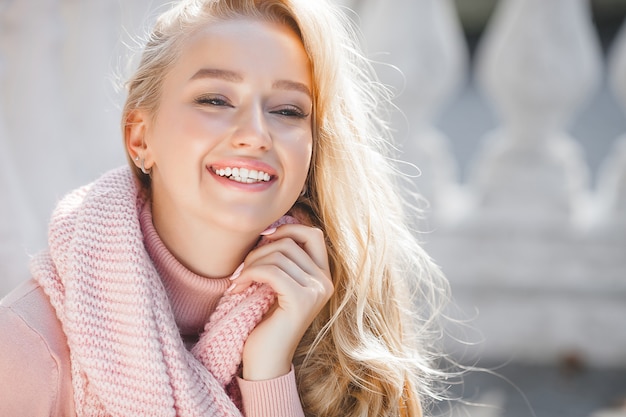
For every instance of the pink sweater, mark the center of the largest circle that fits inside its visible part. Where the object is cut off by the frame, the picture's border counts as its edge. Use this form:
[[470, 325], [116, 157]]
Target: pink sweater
[[35, 366]]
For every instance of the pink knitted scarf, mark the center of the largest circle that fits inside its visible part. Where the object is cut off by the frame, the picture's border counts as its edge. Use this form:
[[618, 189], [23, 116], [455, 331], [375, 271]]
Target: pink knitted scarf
[[127, 356]]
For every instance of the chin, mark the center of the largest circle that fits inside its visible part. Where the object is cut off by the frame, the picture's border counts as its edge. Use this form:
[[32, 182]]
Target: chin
[[249, 223]]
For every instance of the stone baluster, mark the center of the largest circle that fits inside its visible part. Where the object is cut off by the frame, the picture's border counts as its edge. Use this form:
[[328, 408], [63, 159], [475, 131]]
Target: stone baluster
[[606, 237], [538, 61], [611, 195], [422, 42]]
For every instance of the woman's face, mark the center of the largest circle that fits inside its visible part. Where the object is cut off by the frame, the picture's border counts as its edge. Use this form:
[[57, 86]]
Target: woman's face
[[232, 139]]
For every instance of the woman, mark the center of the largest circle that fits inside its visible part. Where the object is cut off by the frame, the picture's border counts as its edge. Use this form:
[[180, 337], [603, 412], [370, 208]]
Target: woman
[[256, 261]]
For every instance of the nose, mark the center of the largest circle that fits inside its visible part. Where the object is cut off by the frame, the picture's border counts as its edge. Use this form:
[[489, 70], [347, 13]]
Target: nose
[[251, 130]]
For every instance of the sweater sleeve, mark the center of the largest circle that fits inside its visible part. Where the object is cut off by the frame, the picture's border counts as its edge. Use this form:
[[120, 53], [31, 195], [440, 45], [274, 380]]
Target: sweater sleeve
[[32, 382], [276, 397]]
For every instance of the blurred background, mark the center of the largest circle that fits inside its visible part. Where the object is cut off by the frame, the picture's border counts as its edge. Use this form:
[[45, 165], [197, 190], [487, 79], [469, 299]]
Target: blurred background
[[513, 112]]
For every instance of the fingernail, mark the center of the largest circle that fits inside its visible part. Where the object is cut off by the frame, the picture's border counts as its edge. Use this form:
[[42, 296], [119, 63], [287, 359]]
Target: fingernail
[[268, 231], [232, 287], [237, 272]]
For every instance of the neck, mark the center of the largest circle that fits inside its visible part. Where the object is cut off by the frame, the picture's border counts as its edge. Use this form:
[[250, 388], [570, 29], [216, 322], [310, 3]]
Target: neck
[[205, 250]]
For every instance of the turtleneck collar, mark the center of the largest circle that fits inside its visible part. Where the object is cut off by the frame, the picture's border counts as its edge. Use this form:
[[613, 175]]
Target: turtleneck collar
[[193, 297]]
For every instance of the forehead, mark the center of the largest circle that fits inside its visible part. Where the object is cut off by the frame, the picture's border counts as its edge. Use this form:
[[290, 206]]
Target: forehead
[[246, 46]]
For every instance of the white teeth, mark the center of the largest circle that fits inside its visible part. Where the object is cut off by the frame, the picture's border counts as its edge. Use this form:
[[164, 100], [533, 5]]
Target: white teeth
[[243, 175]]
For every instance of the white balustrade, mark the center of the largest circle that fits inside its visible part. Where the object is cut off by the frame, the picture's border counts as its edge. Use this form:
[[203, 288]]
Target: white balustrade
[[523, 255], [425, 66], [538, 62]]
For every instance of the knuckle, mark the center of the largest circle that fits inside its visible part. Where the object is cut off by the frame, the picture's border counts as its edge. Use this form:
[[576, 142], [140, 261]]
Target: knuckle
[[285, 244], [273, 269], [325, 288], [275, 257], [319, 233]]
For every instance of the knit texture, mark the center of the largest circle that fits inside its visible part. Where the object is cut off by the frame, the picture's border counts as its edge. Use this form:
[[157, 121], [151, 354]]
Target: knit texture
[[127, 356]]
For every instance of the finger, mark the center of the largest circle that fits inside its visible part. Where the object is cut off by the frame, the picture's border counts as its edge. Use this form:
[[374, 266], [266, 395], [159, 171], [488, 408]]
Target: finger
[[305, 275], [280, 281], [287, 265], [287, 248], [311, 239]]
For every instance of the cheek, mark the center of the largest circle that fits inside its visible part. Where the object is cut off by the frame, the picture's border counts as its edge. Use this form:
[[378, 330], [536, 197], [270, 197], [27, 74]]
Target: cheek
[[296, 157], [181, 131], [181, 126], [305, 152]]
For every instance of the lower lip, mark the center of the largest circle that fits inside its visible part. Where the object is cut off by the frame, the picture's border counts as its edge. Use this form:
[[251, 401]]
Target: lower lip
[[254, 186]]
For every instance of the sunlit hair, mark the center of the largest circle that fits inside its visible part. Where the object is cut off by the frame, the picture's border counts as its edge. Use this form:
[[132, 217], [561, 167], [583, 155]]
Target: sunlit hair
[[372, 350]]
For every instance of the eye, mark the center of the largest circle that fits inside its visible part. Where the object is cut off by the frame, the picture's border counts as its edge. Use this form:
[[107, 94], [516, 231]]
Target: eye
[[212, 100], [291, 111]]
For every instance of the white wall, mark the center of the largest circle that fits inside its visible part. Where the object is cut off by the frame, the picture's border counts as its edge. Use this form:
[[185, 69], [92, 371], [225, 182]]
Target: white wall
[[62, 64]]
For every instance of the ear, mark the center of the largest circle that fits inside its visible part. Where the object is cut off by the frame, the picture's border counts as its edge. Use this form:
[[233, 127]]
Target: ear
[[136, 128]]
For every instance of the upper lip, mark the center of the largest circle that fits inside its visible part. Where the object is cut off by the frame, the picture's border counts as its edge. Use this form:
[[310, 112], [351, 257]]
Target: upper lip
[[244, 163]]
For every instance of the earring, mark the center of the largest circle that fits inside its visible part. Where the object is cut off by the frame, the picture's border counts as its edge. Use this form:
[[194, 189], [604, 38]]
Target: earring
[[143, 168], [303, 192]]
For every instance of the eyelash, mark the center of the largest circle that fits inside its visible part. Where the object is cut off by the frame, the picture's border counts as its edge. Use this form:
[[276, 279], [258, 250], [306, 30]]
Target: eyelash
[[212, 101], [289, 111]]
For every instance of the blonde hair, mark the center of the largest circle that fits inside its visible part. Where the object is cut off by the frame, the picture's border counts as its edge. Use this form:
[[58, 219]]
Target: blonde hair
[[372, 350]]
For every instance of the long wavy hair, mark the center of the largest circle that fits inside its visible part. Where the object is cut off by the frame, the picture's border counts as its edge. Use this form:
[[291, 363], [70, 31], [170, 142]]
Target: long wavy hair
[[372, 351]]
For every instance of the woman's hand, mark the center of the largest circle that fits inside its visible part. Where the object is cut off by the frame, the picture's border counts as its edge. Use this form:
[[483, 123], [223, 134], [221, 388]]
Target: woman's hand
[[295, 264]]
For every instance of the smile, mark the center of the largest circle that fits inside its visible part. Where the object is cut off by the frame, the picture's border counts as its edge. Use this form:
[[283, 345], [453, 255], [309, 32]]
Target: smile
[[243, 175]]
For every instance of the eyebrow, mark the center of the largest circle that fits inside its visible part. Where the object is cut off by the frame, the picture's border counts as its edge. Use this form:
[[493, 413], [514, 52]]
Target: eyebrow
[[217, 73], [292, 85], [233, 76]]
